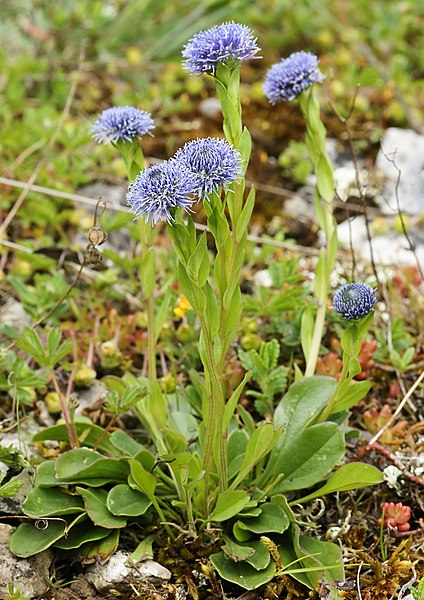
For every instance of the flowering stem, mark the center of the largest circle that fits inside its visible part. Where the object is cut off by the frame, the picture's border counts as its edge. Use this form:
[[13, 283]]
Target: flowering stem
[[215, 408], [315, 142], [71, 431], [134, 161], [351, 342]]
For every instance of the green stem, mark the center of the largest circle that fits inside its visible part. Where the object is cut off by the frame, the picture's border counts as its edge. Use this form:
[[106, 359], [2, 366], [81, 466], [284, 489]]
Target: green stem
[[342, 379], [151, 339], [315, 141], [214, 431], [162, 517]]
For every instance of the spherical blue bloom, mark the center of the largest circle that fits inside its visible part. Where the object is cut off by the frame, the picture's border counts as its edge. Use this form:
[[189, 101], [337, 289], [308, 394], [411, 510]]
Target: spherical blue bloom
[[228, 42], [214, 162], [354, 300], [288, 78], [159, 189], [121, 123]]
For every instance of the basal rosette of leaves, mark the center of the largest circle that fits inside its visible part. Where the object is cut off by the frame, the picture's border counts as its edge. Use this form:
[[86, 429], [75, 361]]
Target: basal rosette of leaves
[[84, 499]]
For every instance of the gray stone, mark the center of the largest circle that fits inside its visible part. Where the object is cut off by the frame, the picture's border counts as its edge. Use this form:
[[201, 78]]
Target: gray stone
[[211, 108], [116, 574], [112, 194], [14, 315], [26, 574], [390, 248], [88, 397], [404, 149], [262, 278]]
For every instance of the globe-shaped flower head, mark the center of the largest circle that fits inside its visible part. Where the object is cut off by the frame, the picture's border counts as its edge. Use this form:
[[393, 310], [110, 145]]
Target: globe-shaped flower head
[[124, 123], [214, 162], [289, 77], [227, 43], [159, 189], [354, 300]]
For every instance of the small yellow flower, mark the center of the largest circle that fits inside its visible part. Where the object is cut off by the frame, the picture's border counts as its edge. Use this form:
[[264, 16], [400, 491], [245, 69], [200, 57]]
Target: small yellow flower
[[181, 307]]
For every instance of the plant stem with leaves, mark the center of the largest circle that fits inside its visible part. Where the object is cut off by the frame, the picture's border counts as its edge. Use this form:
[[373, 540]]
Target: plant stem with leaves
[[312, 329]]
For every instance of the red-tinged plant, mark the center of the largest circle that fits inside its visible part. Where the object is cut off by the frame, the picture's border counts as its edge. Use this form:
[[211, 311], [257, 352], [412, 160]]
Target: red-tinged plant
[[365, 358], [403, 282], [395, 516], [375, 419], [331, 365]]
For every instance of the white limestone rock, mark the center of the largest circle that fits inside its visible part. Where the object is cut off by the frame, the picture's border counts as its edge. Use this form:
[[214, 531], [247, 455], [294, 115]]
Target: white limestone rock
[[406, 148], [115, 573], [26, 574]]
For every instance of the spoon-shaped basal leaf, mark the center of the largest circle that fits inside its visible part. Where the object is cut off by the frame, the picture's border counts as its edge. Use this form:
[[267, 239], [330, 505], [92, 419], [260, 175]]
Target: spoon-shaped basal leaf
[[348, 477], [31, 538], [242, 573], [95, 505], [228, 504], [126, 502], [51, 502]]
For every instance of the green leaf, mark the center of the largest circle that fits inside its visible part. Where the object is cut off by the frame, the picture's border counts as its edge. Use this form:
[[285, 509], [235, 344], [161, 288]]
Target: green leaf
[[262, 441], [30, 342], [144, 480], [100, 550], [309, 458], [236, 552], [228, 504], [325, 180], [125, 443], [272, 519], [144, 550], [191, 290], [327, 556], [306, 331], [261, 557], [81, 534], [30, 538], [303, 402], [183, 423], [245, 215], [161, 312], [95, 505], [51, 502], [45, 476], [352, 395], [242, 573], [232, 402], [126, 502], [198, 263], [147, 272], [85, 463], [348, 477], [236, 448], [88, 434]]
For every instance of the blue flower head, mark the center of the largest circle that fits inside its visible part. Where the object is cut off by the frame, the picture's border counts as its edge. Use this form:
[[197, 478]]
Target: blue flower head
[[159, 189], [228, 42], [288, 78], [124, 123], [214, 162], [354, 300]]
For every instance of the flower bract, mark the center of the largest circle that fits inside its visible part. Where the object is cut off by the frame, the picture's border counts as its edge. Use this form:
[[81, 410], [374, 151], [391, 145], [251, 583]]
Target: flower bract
[[159, 189], [124, 123], [227, 43], [354, 300], [288, 78], [214, 162]]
